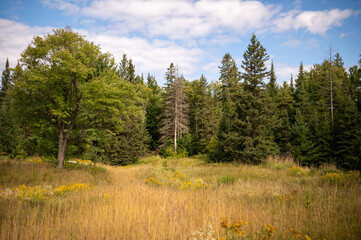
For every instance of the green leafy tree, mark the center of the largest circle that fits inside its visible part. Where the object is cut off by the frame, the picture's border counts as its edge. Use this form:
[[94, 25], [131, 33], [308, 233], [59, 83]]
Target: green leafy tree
[[59, 85]]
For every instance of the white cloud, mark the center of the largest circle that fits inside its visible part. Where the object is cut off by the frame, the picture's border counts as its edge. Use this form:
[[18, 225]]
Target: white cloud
[[186, 19], [283, 71], [301, 43], [148, 56], [14, 38], [316, 22], [178, 19]]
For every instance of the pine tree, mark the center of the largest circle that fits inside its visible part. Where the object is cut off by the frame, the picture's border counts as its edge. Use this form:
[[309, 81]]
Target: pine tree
[[175, 123], [254, 107], [284, 111], [245, 132], [229, 78], [154, 109], [230, 85], [303, 148], [254, 66], [123, 67], [292, 86], [300, 86], [200, 114], [126, 70], [5, 81], [272, 85]]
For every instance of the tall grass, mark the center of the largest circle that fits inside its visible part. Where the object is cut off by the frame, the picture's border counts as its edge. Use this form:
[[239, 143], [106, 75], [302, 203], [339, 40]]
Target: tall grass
[[128, 208]]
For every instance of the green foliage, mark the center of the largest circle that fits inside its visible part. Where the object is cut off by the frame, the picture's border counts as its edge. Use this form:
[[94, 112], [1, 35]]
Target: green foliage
[[175, 121], [303, 149], [203, 115], [154, 112], [254, 66], [5, 81], [226, 179], [65, 83], [244, 132]]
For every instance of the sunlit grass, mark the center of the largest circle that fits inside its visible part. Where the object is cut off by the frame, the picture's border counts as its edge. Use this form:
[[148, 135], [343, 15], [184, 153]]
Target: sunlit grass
[[123, 205]]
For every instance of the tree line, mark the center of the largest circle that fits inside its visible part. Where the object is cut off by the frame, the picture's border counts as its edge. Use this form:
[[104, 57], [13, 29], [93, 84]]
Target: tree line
[[65, 98]]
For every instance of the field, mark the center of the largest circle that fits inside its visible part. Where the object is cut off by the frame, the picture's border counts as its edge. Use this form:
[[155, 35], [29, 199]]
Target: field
[[178, 199]]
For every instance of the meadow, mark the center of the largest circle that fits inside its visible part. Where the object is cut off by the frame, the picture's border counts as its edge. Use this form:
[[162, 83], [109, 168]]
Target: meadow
[[183, 198]]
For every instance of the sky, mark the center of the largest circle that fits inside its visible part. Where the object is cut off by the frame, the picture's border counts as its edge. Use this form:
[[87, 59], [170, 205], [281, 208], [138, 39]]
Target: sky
[[193, 34]]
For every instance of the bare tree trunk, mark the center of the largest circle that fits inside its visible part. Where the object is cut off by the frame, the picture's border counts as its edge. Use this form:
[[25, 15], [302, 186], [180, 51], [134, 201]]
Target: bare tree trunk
[[175, 128], [331, 87], [61, 147]]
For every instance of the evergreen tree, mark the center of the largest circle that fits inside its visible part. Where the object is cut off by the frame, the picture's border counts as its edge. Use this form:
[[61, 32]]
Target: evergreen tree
[[284, 111], [292, 86], [125, 146], [200, 115], [300, 90], [126, 70], [303, 148], [230, 85], [245, 132], [229, 78], [272, 85], [154, 109], [5, 81], [123, 67], [175, 123], [254, 66]]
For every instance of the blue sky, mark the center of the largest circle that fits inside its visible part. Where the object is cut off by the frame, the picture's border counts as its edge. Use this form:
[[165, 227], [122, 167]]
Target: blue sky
[[192, 34]]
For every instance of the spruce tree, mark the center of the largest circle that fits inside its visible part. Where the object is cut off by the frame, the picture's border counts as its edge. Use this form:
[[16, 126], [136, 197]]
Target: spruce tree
[[303, 148], [272, 85], [284, 111], [245, 129], [5, 81], [230, 86], [154, 115], [254, 66], [126, 70], [300, 86], [175, 122], [200, 114]]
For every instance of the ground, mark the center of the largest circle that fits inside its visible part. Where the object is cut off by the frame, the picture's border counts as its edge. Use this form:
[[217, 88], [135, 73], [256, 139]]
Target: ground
[[184, 198]]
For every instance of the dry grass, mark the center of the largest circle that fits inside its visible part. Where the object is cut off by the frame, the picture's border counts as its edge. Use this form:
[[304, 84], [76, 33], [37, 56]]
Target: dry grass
[[128, 208]]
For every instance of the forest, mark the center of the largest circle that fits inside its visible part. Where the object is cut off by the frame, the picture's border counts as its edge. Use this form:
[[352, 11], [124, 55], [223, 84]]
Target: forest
[[66, 99]]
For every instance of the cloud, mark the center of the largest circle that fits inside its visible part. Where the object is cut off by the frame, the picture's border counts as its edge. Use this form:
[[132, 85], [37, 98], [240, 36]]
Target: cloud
[[14, 38], [301, 43], [152, 56], [315, 22], [283, 71], [66, 6], [149, 56], [178, 19], [187, 19]]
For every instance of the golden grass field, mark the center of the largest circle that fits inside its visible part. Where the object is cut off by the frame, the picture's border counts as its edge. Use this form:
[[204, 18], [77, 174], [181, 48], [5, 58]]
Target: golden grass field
[[179, 199]]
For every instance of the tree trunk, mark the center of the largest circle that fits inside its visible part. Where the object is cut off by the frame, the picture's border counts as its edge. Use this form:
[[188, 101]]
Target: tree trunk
[[175, 128], [61, 148]]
